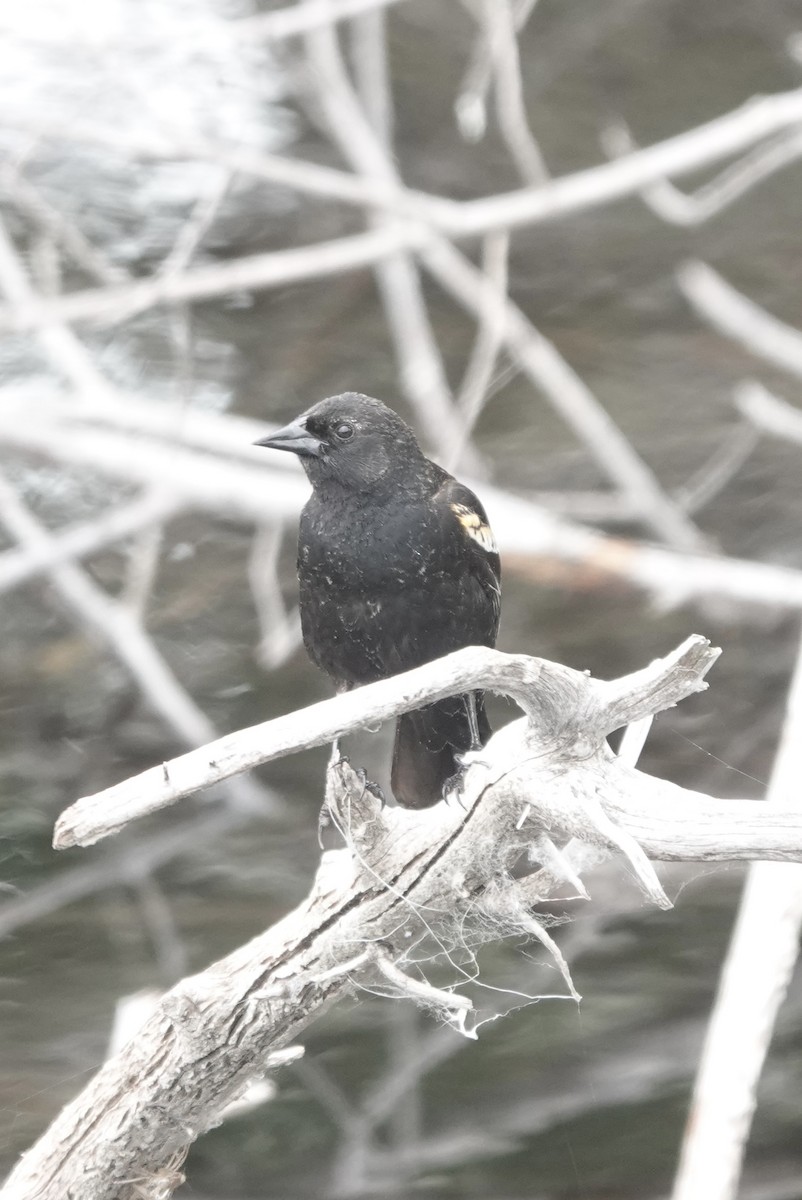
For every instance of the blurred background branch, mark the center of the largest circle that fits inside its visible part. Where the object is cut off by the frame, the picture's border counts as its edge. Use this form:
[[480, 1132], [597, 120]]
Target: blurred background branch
[[210, 216]]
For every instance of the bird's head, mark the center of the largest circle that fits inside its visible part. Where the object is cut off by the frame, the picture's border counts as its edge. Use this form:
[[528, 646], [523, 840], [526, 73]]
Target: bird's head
[[351, 441]]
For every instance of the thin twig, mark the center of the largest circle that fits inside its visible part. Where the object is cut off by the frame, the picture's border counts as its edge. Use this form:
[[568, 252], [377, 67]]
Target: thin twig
[[569, 396], [720, 469], [737, 317], [474, 390], [280, 631], [197, 225], [677, 207], [372, 72], [110, 306], [144, 553], [18, 566], [133, 859], [500, 32], [470, 106], [768, 413], [301, 18], [29, 200], [109, 623], [308, 178], [169, 948]]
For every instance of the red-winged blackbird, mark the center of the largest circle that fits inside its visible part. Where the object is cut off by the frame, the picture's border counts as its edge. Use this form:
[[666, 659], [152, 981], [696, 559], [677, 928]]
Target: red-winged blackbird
[[397, 566]]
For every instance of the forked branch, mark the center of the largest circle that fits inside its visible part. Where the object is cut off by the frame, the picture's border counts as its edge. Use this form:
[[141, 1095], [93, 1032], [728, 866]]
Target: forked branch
[[433, 882]]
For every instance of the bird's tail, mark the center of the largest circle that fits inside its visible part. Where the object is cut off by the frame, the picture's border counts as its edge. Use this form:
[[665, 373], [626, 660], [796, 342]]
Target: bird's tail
[[426, 742]]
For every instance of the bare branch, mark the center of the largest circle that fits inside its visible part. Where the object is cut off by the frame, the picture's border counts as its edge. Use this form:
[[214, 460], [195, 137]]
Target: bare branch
[[533, 540], [739, 318], [303, 176], [107, 621], [126, 863], [500, 31], [108, 306], [474, 391], [590, 188], [568, 395], [754, 981], [197, 224], [768, 412], [470, 105], [27, 199], [720, 469], [372, 72], [533, 683], [280, 630], [203, 482], [80, 541], [420, 363], [301, 18], [141, 569], [759, 118], [443, 872], [678, 208]]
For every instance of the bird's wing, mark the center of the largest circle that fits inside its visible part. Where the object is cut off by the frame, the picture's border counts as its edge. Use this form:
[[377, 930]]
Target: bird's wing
[[463, 513]]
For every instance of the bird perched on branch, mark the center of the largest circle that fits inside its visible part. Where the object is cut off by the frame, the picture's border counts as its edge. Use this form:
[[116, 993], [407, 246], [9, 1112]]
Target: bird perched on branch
[[397, 566]]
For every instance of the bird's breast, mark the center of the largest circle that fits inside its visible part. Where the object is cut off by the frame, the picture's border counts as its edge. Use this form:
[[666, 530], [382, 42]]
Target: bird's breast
[[359, 550]]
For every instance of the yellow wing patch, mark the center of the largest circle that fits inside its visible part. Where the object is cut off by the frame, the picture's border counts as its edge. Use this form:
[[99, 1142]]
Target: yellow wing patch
[[475, 527]]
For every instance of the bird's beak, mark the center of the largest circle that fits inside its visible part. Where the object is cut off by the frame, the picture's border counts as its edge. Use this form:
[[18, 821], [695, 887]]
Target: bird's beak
[[296, 438]]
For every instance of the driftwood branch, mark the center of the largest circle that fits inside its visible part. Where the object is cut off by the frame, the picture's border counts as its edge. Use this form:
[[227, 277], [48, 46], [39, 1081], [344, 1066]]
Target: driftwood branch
[[539, 687], [408, 887]]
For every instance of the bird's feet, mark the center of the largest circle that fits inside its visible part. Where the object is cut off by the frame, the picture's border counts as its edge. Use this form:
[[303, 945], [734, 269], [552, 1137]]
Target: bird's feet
[[337, 759], [370, 787], [455, 784]]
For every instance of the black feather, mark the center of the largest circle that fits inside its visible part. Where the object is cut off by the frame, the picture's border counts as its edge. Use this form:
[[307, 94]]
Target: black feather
[[397, 567]]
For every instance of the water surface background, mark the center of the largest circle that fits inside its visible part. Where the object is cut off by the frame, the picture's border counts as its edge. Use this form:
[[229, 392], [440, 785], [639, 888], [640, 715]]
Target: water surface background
[[556, 1101]]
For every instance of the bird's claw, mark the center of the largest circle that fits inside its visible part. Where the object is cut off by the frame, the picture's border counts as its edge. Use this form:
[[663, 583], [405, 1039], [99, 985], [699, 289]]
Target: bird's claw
[[370, 787], [455, 784]]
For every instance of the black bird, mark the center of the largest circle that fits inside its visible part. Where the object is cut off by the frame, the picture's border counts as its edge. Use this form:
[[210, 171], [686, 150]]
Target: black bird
[[397, 566]]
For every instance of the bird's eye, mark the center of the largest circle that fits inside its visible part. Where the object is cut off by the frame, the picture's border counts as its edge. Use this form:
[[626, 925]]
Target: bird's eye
[[343, 431]]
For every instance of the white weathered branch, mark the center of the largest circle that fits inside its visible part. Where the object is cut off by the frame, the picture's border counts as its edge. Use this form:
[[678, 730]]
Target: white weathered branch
[[768, 412], [443, 872], [533, 683], [421, 366], [79, 541], [568, 395], [679, 208], [421, 369], [500, 30], [739, 318], [710, 143], [300, 18], [754, 981], [251, 488]]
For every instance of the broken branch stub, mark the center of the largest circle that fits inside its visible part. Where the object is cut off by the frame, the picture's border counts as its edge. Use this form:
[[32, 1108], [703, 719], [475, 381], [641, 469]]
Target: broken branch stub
[[408, 887]]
